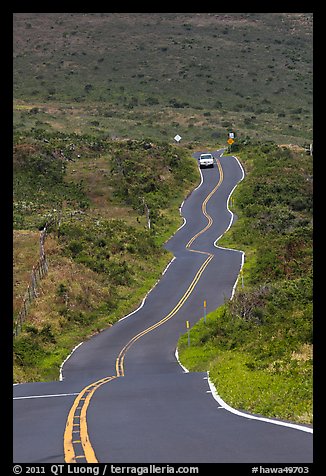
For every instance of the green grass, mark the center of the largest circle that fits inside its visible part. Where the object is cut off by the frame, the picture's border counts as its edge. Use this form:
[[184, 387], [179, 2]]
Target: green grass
[[281, 389], [273, 395]]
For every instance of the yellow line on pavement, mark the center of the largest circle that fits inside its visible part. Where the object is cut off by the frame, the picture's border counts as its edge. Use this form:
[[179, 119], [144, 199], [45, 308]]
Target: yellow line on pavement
[[204, 208], [83, 399], [69, 442], [121, 356]]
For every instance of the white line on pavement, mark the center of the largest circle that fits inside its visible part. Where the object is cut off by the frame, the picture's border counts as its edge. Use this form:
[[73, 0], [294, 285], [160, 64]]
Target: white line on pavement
[[47, 396]]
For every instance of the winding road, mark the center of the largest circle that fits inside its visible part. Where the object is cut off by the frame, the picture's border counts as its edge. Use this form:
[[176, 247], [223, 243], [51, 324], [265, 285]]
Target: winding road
[[124, 397]]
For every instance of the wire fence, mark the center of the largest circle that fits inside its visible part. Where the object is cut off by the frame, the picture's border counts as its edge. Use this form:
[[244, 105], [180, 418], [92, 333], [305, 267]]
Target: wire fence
[[40, 269], [38, 272]]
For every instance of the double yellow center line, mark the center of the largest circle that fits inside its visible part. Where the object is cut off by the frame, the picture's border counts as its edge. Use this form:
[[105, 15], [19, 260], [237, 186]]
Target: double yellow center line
[[204, 210], [77, 445], [121, 356]]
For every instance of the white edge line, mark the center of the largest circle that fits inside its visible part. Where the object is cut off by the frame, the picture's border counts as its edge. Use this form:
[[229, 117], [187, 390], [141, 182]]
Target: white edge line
[[176, 354], [144, 299], [181, 206], [201, 179], [46, 396], [61, 377], [227, 407], [253, 417], [136, 310], [212, 387]]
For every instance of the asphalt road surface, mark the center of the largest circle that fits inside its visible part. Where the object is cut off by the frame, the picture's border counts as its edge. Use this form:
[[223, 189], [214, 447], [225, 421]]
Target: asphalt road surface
[[124, 397]]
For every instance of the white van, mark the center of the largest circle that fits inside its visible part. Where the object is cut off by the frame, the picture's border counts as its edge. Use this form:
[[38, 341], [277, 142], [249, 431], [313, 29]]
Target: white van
[[206, 160]]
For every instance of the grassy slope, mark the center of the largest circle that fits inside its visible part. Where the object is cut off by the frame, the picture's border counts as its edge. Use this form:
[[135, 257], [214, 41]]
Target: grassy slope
[[198, 75], [102, 259], [258, 347]]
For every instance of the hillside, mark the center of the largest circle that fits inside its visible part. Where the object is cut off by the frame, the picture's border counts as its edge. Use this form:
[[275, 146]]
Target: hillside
[[158, 74], [102, 257]]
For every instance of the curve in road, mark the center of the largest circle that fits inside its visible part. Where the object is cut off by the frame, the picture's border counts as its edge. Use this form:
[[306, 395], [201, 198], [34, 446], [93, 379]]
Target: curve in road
[[151, 410]]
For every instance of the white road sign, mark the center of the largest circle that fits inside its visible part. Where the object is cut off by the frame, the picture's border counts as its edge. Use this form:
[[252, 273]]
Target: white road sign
[[177, 138]]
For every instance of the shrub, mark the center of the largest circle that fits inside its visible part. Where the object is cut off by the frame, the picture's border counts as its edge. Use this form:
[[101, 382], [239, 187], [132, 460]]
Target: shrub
[[75, 247]]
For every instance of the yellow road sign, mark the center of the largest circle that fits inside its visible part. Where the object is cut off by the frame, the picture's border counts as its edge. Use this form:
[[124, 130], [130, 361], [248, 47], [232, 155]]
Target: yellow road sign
[[230, 141]]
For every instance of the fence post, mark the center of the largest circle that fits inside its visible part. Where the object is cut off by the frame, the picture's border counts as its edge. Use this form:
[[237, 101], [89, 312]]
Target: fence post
[[59, 222], [147, 214], [21, 319], [38, 267], [41, 268], [29, 294], [34, 285], [42, 239], [45, 264]]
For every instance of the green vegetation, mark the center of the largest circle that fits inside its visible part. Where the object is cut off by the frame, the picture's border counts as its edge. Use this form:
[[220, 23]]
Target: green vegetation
[[54, 170], [258, 347], [158, 74], [102, 257]]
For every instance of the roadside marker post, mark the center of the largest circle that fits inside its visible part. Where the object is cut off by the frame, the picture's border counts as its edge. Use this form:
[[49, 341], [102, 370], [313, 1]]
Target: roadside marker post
[[188, 329], [230, 141], [205, 311]]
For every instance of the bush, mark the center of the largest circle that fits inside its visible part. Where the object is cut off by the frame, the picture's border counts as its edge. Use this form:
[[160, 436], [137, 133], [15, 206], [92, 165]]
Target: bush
[[28, 351], [75, 247]]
